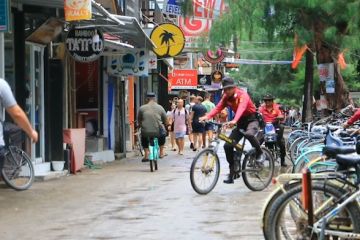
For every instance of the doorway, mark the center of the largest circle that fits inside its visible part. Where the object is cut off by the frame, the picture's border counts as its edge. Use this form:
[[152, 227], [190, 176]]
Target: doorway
[[35, 96]]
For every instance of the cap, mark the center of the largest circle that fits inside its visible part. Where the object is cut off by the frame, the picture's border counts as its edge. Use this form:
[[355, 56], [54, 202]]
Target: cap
[[228, 82], [268, 97], [150, 95]]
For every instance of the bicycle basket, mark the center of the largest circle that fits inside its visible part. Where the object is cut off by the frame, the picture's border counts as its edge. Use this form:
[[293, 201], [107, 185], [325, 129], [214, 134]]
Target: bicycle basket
[[13, 135]]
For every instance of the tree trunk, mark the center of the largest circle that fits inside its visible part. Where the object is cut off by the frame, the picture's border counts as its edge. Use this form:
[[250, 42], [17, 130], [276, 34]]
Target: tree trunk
[[308, 87], [327, 54]]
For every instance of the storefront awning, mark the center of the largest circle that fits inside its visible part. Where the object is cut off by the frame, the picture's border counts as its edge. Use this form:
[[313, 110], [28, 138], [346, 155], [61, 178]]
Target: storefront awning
[[128, 29]]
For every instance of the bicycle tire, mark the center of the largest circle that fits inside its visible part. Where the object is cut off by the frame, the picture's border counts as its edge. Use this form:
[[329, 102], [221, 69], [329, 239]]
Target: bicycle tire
[[10, 174], [276, 228], [270, 201], [140, 148], [249, 162], [205, 153]]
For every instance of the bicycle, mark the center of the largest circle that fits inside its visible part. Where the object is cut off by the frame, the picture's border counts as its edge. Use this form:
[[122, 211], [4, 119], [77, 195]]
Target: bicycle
[[18, 170], [250, 170], [336, 210]]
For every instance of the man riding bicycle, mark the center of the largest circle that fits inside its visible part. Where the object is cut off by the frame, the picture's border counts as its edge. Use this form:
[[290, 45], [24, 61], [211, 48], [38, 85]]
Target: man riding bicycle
[[8, 103], [272, 114], [245, 118]]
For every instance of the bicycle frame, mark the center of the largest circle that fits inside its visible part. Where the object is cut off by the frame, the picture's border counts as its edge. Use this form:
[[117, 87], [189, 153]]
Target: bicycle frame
[[321, 223]]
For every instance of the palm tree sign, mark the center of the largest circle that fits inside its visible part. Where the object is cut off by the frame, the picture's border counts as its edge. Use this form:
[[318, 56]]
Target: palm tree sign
[[165, 38]]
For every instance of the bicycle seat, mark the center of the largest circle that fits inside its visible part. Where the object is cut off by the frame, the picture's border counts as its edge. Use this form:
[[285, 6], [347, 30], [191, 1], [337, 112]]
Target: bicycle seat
[[348, 160], [333, 151]]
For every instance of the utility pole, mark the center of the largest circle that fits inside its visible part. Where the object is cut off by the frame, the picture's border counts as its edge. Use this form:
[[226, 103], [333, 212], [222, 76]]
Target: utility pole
[[308, 87]]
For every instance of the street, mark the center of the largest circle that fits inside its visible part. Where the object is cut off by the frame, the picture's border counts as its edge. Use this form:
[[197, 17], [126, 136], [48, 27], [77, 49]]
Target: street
[[124, 200]]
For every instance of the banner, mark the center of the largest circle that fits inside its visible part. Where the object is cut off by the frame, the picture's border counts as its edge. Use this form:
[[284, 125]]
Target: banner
[[205, 11], [183, 79], [4, 16], [134, 62], [77, 10], [326, 71]]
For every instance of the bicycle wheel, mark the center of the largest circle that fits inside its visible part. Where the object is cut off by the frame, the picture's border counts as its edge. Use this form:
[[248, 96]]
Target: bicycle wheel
[[288, 219], [205, 171], [151, 166], [140, 148], [278, 192], [18, 171], [258, 175]]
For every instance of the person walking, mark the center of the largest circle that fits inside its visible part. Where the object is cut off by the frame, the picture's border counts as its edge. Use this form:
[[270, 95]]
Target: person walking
[[198, 128], [170, 119], [152, 120], [189, 107], [209, 128], [8, 103], [181, 119], [245, 118]]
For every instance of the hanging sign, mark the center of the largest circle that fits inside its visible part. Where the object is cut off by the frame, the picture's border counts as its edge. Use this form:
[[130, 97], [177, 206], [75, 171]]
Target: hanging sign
[[168, 39], [77, 10], [85, 45], [152, 61], [134, 62], [172, 7], [183, 79], [4, 16]]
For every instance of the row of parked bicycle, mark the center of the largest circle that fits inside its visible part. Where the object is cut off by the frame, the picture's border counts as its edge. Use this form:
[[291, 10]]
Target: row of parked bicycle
[[326, 205]]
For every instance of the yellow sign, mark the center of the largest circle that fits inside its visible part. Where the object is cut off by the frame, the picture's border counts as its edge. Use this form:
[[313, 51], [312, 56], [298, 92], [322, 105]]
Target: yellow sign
[[77, 10], [168, 39]]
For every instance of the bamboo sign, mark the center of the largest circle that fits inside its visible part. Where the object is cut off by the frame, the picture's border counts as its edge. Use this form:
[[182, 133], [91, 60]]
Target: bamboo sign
[[77, 10]]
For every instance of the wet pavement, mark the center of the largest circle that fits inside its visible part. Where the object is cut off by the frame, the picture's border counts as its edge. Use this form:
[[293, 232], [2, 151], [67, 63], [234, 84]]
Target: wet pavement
[[124, 200]]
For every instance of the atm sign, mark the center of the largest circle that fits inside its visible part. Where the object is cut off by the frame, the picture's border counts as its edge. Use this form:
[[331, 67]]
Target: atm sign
[[183, 79]]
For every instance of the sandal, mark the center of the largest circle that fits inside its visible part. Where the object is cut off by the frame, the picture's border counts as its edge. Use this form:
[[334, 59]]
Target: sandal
[[145, 160], [163, 155]]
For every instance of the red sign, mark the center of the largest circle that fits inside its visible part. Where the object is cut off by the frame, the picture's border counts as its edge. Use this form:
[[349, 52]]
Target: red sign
[[183, 79]]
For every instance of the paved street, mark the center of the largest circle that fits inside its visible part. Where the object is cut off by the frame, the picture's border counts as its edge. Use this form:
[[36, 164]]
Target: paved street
[[123, 200]]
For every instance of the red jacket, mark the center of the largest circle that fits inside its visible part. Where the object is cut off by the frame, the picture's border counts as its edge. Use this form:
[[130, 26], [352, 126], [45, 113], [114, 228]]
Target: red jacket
[[240, 103], [270, 116], [354, 117]]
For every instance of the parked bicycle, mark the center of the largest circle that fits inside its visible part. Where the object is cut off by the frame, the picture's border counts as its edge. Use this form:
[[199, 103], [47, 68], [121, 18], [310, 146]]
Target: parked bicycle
[[18, 171], [205, 168]]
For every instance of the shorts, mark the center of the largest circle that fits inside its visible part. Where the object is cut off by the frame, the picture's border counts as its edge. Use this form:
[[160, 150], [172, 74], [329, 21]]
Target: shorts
[[198, 127], [180, 135], [145, 141], [209, 127]]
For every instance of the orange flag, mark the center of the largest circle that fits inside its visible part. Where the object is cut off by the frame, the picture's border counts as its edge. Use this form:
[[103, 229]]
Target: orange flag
[[341, 60], [298, 53]]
